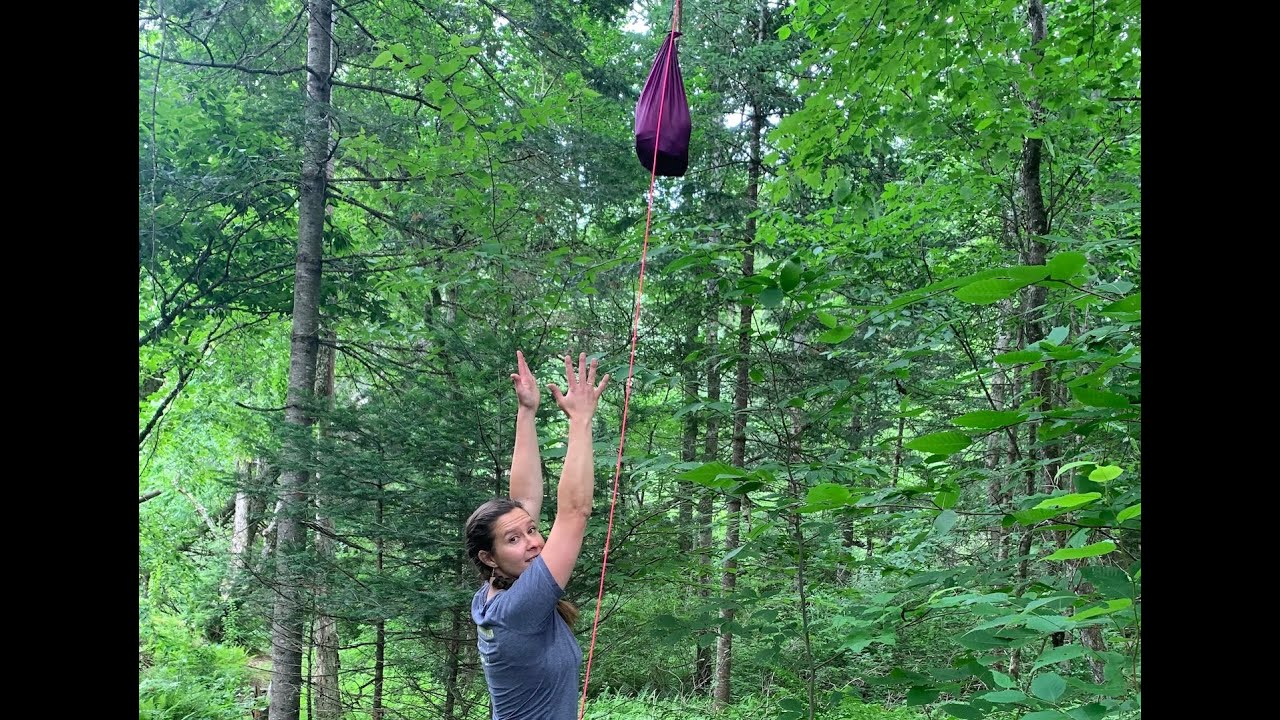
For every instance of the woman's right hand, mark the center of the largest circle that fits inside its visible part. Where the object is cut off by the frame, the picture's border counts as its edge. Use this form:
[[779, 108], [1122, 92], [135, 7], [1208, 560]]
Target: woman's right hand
[[525, 384], [579, 401]]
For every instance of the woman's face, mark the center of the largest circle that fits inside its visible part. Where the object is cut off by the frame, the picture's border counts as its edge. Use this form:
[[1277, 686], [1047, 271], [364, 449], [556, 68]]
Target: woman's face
[[516, 542]]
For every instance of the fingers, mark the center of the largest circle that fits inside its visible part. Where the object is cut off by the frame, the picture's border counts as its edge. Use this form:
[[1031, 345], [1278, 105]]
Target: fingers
[[521, 365], [583, 378], [555, 393]]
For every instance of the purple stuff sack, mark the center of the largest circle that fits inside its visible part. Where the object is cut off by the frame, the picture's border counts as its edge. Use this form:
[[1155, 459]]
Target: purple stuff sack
[[673, 150]]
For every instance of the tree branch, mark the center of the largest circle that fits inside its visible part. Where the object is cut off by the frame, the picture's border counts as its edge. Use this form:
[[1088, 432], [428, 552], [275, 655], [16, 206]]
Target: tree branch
[[223, 66]]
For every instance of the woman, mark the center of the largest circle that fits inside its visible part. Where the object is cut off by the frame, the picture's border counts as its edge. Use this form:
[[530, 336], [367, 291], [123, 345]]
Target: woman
[[527, 648]]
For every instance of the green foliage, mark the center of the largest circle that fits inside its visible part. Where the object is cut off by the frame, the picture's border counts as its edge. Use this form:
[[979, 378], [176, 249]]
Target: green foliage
[[942, 467], [653, 707], [184, 677]]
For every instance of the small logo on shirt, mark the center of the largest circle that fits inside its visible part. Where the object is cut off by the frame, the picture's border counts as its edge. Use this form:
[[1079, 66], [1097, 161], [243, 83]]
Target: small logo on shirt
[[485, 632]]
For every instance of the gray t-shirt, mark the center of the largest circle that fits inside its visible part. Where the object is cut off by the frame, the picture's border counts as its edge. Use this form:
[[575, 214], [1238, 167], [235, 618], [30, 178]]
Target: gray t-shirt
[[529, 654]]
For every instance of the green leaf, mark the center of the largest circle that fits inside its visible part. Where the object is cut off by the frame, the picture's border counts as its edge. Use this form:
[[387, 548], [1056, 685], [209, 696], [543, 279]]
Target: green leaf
[[1094, 550], [943, 443], [1066, 353], [771, 297], [1105, 473], [730, 555], [712, 474], [784, 32], [826, 318], [859, 642], [1092, 711], [1019, 356], [963, 712], [983, 640], [1130, 512], [947, 499], [789, 278], [686, 261], [1065, 265], [1057, 335], [383, 58], [756, 375], [1069, 501], [922, 695], [1046, 715], [1110, 607], [1031, 517], [1110, 582], [1048, 686], [984, 123], [1003, 680], [827, 496], [990, 419], [843, 188], [836, 335], [1004, 696], [1099, 398], [1026, 274], [1058, 654], [1132, 303], [985, 292], [944, 522], [1070, 465], [1049, 623]]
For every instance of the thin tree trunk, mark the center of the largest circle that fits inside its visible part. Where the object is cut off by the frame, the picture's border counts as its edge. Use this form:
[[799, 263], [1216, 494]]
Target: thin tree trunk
[[380, 638], [710, 453], [1034, 248], [243, 527], [793, 439], [741, 397], [287, 621], [902, 427], [995, 454], [453, 648], [689, 445], [1033, 251], [324, 673]]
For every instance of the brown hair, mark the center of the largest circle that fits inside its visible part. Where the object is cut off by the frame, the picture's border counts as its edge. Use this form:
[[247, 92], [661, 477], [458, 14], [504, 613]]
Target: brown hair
[[479, 537]]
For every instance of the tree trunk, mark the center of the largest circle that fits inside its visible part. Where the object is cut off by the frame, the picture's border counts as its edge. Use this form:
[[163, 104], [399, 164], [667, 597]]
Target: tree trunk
[[380, 638], [1034, 249], [710, 453], [324, 674], [797, 488], [689, 445], [244, 525], [287, 620], [741, 396], [996, 441], [453, 647]]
